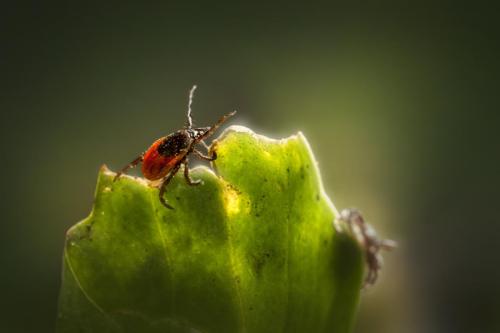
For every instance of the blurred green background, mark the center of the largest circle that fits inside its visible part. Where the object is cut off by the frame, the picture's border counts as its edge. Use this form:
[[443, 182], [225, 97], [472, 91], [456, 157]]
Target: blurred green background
[[400, 105]]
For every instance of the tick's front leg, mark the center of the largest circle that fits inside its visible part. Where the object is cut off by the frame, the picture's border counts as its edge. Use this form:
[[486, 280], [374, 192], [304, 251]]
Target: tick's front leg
[[201, 156], [128, 166], [212, 155]]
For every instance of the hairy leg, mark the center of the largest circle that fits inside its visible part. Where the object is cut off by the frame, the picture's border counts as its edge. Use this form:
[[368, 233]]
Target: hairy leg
[[166, 181], [201, 156], [128, 166], [188, 178], [216, 125]]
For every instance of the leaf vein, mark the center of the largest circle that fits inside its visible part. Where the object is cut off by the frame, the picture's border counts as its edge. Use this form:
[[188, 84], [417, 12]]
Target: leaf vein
[[84, 292]]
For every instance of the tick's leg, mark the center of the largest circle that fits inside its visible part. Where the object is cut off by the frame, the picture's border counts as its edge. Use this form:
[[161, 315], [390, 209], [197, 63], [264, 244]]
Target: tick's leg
[[369, 242], [188, 177], [204, 144], [163, 186], [213, 154], [128, 166], [200, 155], [216, 125]]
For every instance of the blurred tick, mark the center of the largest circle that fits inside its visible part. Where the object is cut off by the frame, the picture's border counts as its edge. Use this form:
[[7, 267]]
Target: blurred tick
[[165, 156], [369, 242]]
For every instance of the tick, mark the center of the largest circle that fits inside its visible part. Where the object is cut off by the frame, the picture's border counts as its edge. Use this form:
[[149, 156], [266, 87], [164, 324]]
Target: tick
[[369, 241], [163, 159]]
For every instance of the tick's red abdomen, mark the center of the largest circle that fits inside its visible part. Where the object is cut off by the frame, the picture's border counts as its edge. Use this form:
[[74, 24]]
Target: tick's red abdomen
[[155, 165]]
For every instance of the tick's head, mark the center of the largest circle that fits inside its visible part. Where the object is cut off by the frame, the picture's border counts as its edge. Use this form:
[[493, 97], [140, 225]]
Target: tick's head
[[197, 133], [175, 143]]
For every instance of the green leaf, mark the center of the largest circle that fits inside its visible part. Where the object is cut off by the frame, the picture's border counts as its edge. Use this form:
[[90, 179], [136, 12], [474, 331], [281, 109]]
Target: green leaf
[[253, 249]]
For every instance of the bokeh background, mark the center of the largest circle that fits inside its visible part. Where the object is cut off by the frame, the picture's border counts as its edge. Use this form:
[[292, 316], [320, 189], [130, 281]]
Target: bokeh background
[[400, 104]]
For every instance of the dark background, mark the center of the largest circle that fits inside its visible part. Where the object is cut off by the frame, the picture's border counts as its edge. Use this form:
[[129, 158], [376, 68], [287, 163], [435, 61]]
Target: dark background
[[400, 105]]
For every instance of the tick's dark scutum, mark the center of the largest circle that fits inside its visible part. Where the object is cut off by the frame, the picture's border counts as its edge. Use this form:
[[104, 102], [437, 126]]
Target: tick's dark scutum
[[174, 143]]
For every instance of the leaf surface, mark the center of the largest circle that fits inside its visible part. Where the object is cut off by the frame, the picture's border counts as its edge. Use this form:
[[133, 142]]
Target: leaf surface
[[253, 249]]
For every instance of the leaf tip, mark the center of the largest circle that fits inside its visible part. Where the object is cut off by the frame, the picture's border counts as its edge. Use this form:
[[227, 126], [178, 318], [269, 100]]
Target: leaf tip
[[104, 168]]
